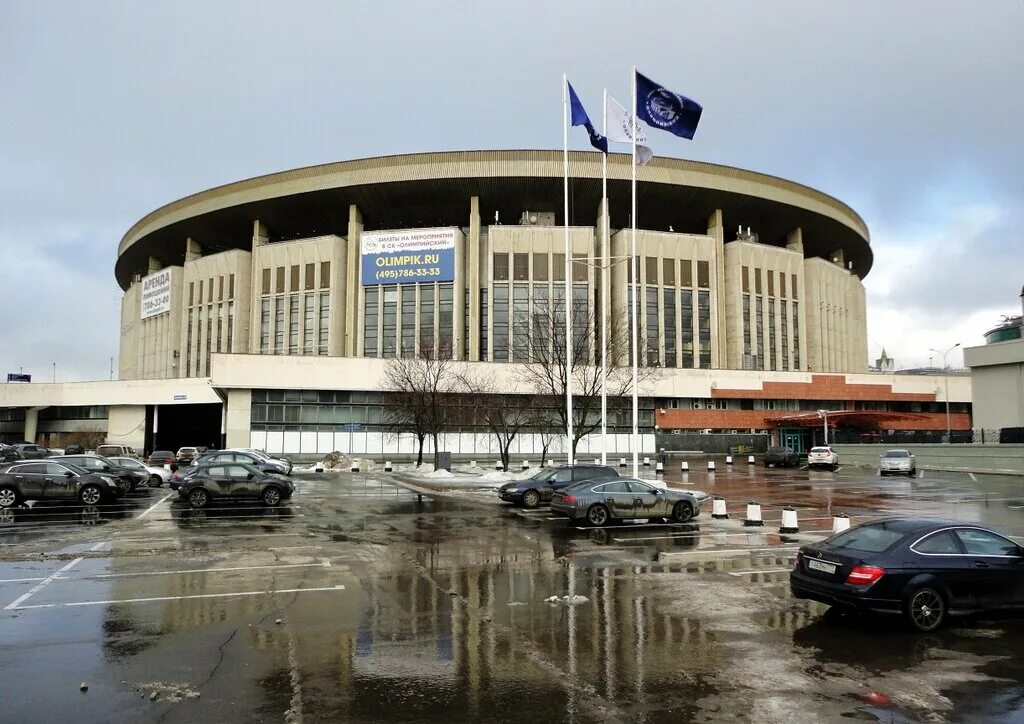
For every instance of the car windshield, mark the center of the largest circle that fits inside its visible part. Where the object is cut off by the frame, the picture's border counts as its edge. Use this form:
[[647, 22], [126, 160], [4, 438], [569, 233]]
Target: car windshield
[[820, 450], [543, 475], [873, 538], [162, 454], [127, 462], [897, 454]]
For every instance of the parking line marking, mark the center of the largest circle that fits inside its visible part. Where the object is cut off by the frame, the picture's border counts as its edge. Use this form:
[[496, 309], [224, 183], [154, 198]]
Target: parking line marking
[[322, 564], [15, 604], [21, 580], [148, 510], [236, 594]]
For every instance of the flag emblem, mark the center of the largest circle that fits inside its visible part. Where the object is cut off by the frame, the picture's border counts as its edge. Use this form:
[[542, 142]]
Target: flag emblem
[[663, 107]]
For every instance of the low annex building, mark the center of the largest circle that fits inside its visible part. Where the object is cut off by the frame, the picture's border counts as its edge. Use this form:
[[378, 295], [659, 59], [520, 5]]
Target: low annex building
[[283, 296]]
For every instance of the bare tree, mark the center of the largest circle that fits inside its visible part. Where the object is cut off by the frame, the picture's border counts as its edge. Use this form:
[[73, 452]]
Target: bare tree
[[553, 366], [425, 400], [504, 415]]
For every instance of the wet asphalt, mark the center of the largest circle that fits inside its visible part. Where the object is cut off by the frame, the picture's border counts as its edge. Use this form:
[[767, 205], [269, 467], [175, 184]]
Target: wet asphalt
[[360, 600]]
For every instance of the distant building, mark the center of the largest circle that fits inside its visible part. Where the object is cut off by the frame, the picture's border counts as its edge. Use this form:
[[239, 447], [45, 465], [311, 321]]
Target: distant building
[[997, 375], [885, 363]]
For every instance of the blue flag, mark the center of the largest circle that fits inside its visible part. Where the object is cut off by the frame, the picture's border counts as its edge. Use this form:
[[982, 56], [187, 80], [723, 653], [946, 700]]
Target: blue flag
[[659, 107], [579, 117]]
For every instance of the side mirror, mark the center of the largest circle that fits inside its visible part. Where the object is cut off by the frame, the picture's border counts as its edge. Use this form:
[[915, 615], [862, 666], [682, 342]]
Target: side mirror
[[659, 491], [68, 474], [250, 476]]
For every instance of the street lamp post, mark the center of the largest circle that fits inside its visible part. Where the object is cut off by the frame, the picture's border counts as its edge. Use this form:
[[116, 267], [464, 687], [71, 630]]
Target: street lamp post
[[824, 414], [945, 372]]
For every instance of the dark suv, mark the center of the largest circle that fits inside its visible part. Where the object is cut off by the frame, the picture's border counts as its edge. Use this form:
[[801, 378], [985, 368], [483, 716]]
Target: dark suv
[[233, 480], [52, 480], [785, 457], [537, 489]]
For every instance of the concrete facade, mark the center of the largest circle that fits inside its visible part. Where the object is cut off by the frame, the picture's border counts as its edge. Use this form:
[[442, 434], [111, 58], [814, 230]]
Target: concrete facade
[[997, 379]]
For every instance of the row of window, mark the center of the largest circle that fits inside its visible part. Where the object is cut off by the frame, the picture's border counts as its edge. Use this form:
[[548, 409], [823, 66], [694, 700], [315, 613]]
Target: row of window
[[298, 278], [71, 412], [212, 285], [757, 330], [408, 320], [667, 315], [539, 266], [208, 329], [307, 329], [699, 403], [671, 271], [769, 276]]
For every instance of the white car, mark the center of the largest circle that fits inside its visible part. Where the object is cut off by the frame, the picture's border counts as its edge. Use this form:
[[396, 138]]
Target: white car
[[157, 475], [822, 457]]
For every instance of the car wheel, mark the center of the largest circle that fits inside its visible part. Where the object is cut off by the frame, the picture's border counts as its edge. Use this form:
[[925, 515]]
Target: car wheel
[[124, 485], [198, 498], [682, 513], [155, 481], [926, 609], [271, 495], [8, 497], [911, 473], [531, 499], [90, 495], [597, 515]]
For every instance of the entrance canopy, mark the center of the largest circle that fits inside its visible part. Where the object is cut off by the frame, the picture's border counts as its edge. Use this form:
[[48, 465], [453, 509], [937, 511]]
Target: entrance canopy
[[853, 419]]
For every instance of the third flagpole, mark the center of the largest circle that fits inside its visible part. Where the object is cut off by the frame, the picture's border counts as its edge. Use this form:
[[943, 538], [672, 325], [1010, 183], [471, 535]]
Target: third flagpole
[[568, 272], [633, 265], [605, 228]]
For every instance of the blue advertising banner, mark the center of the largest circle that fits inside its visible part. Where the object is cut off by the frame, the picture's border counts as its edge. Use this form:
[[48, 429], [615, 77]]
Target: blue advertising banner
[[406, 257]]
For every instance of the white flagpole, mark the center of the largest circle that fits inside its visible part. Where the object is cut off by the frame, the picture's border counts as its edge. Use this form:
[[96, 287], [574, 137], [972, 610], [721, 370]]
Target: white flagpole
[[636, 283], [568, 272], [604, 292]]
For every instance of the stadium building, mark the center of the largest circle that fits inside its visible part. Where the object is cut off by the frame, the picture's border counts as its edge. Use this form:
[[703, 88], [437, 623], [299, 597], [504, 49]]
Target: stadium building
[[261, 313]]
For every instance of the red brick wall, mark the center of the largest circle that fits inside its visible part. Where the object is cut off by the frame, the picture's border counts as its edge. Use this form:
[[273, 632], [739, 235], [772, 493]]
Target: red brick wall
[[825, 387], [760, 419]]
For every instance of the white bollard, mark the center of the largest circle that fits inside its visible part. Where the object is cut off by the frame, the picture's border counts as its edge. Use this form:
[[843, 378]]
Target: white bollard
[[659, 468], [526, 464], [622, 462], [597, 461], [472, 463], [728, 459], [753, 514], [789, 522], [498, 465], [718, 511], [318, 468], [750, 459], [711, 466], [387, 466], [840, 523], [647, 462], [685, 466], [355, 467]]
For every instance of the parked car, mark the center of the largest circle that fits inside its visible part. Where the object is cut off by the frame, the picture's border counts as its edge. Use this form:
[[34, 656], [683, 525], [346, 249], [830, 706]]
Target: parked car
[[179, 476], [157, 475], [263, 462], [234, 480], [162, 457], [538, 488], [785, 457], [9, 453], [186, 455], [600, 502], [74, 449], [898, 462], [823, 457], [53, 480], [32, 452], [923, 569], [109, 450], [264, 456], [127, 479]]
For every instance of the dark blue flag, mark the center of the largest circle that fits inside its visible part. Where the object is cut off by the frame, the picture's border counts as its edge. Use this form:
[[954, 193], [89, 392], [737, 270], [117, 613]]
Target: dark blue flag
[[659, 107], [579, 117]]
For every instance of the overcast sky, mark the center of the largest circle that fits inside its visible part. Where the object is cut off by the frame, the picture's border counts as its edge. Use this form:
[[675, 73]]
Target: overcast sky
[[910, 112]]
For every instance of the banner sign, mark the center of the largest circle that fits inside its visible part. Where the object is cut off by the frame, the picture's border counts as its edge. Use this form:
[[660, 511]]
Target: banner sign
[[415, 255], [156, 294], [17, 377]]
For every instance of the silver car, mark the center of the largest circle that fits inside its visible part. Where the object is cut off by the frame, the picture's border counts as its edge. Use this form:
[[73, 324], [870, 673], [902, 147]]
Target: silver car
[[157, 475], [897, 462], [600, 502]]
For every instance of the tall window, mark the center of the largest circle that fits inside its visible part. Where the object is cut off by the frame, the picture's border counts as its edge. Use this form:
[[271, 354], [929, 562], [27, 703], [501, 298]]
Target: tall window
[[483, 325], [390, 321], [209, 331], [580, 321], [446, 319], [540, 267], [520, 322], [231, 324], [325, 323], [500, 262], [760, 332], [500, 324], [796, 329], [785, 327], [220, 323], [188, 345], [465, 327], [265, 326], [279, 325], [651, 317], [541, 339], [669, 305], [427, 320], [703, 274], [408, 335], [686, 314], [309, 323], [293, 324], [371, 310], [771, 331], [520, 267], [704, 328], [748, 351]]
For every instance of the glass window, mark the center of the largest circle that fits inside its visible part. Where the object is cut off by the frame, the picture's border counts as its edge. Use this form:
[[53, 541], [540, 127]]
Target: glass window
[[446, 319], [685, 273], [188, 345], [209, 290], [295, 278], [324, 322], [540, 267], [650, 270], [520, 322], [483, 325], [563, 476], [558, 267], [703, 274], [686, 322], [983, 543], [759, 304], [309, 323], [310, 276], [220, 289], [580, 268], [217, 471], [939, 543], [669, 311], [199, 295], [408, 321], [266, 281], [500, 266], [427, 294], [651, 316], [500, 323], [668, 272], [580, 322], [793, 286], [771, 281], [796, 333], [635, 486], [704, 328], [541, 340], [784, 332], [771, 331], [389, 321], [191, 290], [871, 538], [745, 278], [371, 311], [238, 471], [757, 280], [280, 279], [617, 487], [325, 274], [521, 267], [56, 469], [264, 326], [279, 325], [782, 284]]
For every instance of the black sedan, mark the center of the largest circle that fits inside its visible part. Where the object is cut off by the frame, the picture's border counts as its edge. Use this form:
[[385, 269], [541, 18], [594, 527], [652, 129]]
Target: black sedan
[[236, 480], [539, 487], [923, 569], [127, 478]]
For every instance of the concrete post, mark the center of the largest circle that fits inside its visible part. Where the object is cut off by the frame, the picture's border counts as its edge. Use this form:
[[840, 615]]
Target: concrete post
[[352, 315], [473, 277], [154, 265], [31, 424], [716, 230], [193, 250]]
